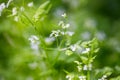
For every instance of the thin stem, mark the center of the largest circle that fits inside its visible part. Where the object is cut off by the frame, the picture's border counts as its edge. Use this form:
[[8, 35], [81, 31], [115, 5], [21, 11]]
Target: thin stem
[[88, 75]]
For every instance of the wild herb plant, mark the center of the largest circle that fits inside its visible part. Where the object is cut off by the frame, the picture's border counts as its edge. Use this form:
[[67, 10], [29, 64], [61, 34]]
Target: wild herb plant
[[47, 49]]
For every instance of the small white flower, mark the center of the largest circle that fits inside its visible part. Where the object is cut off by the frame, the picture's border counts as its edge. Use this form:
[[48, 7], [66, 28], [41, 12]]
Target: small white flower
[[69, 33], [64, 15], [103, 77], [90, 23], [100, 35], [63, 33], [55, 33], [14, 11], [16, 18], [70, 76], [49, 40], [86, 35], [73, 47], [87, 50], [85, 67], [61, 23], [79, 68], [67, 25], [33, 65], [30, 4], [34, 42], [22, 8], [8, 3], [82, 77], [2, 7]]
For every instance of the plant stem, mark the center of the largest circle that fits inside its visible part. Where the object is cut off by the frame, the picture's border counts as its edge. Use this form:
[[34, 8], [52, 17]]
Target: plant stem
[[88, 75]]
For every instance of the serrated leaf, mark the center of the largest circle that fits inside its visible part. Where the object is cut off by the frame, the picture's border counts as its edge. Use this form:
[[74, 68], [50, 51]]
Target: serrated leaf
[[43, 9]]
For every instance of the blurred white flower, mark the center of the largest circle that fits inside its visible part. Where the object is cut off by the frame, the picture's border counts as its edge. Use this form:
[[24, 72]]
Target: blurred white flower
[[16, 18], [30, 4], [73, 47], [55, 33], [22, 8], [2, 7], [67, 26], [87, 50], [14, 11], [103, 77], [90, 23], [100, 35], [58, 12], [49, 40], [33, 65], [64, 15], [87, 67], [69, 33], [70, 76], [86, 35], [61, 23], [8, 3], [34, 42], [82, 77]]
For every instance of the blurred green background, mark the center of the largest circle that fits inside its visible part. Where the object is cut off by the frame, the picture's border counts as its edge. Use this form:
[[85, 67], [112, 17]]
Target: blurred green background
[[88, 18]]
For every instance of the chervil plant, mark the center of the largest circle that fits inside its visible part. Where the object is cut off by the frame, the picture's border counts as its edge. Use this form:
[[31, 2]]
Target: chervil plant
[[48, 53]]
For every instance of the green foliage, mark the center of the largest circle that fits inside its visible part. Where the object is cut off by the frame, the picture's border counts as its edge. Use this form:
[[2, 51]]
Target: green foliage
[[34, 47]]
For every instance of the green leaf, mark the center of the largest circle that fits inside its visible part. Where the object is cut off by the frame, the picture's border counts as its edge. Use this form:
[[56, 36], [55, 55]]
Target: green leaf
[[68, 52], [84, 59], [41, 11]]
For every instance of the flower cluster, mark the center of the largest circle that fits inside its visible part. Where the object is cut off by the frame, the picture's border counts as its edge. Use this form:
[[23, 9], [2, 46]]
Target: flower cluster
[[34, 42], [103, 77], [82, 77], [70, 76], [86, 50], [56, 33], [3, 6]]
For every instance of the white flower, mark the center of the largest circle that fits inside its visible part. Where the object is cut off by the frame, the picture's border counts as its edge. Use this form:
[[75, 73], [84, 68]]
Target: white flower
[[34, 42], [22, 8], [64, 15], [87, 67], [73, 47], [61, 23], [100, 35], [70, 76], [103, 77], [8, 3], [67, 25], [87, 50], [82, 77], [55, 33], [2, 7], [14, 11], [16, 18], [69, 33], [30, 4], [90, 23], [33, 65], [49, 40], [86, 35]]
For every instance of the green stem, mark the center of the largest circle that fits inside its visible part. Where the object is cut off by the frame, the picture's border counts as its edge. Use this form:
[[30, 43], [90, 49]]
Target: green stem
[[88, 75]]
